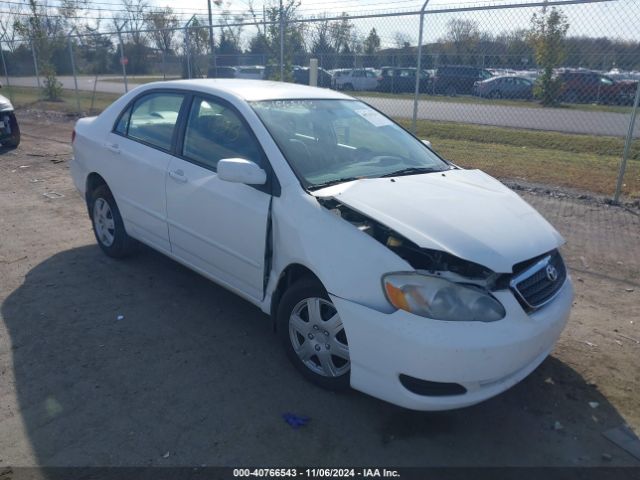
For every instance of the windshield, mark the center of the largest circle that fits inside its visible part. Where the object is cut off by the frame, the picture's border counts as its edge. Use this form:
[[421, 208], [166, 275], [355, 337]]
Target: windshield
[[330, 141]]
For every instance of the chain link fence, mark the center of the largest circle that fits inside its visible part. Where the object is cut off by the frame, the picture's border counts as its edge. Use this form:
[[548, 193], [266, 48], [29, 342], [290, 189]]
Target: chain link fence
[[537, 92]]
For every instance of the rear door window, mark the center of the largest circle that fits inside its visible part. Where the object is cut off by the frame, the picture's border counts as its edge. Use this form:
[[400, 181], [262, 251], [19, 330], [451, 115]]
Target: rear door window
[[153, 119]]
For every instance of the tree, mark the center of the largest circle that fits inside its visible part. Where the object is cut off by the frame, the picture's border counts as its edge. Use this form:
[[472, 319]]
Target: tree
[[134, 12], [463, 37], [269, 35], [372, 43], [402, 40], [46, 33], [162, 24], [547, 37], [259, 45], [196, 46], [320, 39]]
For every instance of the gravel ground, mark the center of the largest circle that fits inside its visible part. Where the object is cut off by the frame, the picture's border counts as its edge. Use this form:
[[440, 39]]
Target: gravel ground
[[193, 375]]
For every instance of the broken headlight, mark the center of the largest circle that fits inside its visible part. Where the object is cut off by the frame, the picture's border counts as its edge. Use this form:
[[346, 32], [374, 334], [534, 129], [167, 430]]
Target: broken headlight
[[440, 299]]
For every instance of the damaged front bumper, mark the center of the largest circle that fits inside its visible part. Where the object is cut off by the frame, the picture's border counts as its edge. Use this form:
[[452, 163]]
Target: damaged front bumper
[[464, 362]]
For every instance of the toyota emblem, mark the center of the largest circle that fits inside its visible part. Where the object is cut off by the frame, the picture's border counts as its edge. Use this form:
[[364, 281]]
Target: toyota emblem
[[552, 273]]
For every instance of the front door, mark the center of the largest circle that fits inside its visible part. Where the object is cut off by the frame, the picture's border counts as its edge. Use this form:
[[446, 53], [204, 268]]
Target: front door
[[217, 226]]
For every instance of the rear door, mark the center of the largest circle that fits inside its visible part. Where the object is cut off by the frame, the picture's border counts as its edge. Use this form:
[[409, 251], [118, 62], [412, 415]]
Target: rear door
[[138, 150], [216, 226]]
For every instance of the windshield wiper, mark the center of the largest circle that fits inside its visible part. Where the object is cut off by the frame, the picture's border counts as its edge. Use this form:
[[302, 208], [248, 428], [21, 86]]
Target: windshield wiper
[[318, 186], [410, 171]]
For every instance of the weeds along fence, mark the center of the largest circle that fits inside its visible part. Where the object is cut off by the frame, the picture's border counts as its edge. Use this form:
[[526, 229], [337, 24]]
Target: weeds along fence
[[540, 91]]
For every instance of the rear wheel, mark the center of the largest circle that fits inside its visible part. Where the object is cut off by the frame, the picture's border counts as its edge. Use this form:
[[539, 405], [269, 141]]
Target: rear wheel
[[348, 87], [107, 224], [313, 335]]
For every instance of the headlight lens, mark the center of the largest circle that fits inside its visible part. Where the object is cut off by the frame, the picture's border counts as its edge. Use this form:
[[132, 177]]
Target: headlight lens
[[441, 299]]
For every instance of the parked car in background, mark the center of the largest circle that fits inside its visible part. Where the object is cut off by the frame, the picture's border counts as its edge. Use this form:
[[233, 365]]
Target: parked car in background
[[336, 73], [223, 72], [506, 86], [401, 79], [256, 72], [458, 79], [301, 75], [583, 86], [9, 128], [360, 79], [383, 266]]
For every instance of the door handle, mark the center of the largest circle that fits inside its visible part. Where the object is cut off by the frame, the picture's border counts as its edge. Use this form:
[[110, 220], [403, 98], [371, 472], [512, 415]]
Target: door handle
[[112, 147], [178, 175]]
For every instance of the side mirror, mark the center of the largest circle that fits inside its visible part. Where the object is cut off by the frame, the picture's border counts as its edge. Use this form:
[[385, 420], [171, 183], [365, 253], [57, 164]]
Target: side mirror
[[427, 143], [239, 170]]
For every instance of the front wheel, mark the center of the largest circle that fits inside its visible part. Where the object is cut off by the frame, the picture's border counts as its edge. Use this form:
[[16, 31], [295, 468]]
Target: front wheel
[[313, 335]]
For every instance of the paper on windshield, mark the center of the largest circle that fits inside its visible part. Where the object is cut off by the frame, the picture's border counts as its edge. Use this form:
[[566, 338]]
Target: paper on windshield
[[373, 117]]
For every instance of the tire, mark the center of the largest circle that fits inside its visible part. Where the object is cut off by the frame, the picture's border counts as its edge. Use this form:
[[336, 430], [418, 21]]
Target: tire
[[348, 87], [495, 94], [14, 140], [451, 91], [107, 224], [330, 367]]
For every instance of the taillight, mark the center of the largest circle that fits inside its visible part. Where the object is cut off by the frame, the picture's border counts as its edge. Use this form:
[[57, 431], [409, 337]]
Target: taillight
[[73, 135]]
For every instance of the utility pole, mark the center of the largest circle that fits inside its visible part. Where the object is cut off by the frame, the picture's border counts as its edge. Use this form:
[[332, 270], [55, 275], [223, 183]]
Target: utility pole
[[212, 61]]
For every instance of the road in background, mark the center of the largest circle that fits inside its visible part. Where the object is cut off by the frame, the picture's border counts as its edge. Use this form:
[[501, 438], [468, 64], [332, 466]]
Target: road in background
[[549, 119]]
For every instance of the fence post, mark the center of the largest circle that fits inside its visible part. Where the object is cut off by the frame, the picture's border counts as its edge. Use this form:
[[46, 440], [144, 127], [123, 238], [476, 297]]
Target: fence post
[[35, 62], [122, 60], [73, 69], [414, 120], [187, 47], [164, 65], [281, 42], [212, 46], [6, 72], [187, 51], [627, 145]]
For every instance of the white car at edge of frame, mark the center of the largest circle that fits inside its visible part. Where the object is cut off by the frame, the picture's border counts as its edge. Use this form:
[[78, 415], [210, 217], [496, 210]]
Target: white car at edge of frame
[[383, 266]]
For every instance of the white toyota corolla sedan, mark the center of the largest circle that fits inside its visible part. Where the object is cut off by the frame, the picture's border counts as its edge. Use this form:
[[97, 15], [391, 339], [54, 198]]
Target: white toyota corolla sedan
[[383, 266]]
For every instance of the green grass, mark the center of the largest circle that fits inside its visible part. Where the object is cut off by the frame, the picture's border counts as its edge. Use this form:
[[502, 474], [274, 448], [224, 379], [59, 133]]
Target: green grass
[[28, 97], [523, 139], [467, 99], [577, 161]]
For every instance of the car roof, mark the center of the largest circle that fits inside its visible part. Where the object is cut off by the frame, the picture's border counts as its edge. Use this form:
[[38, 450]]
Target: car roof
[[251, 90]]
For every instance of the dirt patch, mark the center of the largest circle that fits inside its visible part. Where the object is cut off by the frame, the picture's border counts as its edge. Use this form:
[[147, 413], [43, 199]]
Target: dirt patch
[[107, 362]]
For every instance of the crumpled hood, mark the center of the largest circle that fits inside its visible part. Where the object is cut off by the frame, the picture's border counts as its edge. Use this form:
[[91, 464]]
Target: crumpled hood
[[466, 213]]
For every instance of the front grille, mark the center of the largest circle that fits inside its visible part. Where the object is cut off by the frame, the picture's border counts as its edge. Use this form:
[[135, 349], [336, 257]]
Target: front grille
[[540, 282]]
